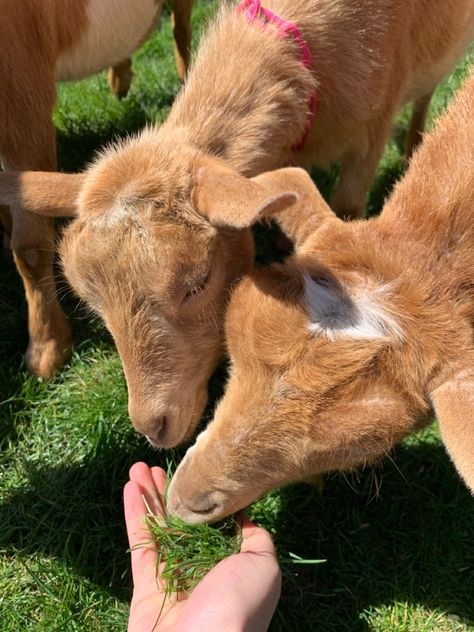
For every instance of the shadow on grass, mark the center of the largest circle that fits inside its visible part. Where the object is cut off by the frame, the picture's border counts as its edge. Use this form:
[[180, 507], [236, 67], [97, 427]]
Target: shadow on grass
[[13, 324], [75, 513], [18, 391], [13, 342], [413, 543]]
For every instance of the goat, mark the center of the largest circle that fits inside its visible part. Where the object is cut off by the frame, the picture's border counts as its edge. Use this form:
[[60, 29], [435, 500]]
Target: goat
[[44, 41], [346, 348], [152, 250]]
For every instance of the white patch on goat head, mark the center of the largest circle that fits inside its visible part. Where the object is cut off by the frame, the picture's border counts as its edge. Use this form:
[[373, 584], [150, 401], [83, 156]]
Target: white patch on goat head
[[125, 209], [114, 215], [334, 313]]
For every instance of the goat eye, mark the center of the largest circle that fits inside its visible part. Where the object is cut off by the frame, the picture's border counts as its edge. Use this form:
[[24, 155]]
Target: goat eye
[[197, 288]]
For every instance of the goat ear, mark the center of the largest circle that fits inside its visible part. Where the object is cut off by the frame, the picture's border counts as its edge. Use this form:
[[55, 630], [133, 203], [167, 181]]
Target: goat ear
[[229, 199], [453, 402], [301, 219], [48, 194]]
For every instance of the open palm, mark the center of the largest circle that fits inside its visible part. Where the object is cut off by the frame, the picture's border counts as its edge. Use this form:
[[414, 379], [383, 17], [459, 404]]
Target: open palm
[[239, 593]]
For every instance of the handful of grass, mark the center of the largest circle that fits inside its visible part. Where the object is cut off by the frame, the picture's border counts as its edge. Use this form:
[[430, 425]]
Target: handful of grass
[[190, 551]]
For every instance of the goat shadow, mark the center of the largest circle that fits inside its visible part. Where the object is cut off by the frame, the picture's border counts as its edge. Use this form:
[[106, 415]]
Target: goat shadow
[[402, 534]]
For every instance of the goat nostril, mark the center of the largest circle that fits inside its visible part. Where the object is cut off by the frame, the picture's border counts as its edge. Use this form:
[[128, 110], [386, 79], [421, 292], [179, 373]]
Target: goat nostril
[[202, 504], [163, 426], [205, 511], [156, 438]]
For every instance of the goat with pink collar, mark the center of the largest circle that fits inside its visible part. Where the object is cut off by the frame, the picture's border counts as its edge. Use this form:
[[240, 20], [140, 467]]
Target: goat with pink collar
[[158, 240]]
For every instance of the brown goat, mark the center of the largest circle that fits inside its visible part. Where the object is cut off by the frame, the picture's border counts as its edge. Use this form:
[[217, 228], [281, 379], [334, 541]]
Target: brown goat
[[347, 348], [155, 251], [43, 41]]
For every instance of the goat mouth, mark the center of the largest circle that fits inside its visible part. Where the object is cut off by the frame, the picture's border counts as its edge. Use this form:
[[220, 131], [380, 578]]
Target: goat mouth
[[155, 440]]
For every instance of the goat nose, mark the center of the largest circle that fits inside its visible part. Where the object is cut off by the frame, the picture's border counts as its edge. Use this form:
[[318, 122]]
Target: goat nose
[[146, 422], [156, 436]]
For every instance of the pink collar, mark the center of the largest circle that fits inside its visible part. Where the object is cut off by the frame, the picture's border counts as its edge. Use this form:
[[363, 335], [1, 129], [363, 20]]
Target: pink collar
[[257, 14]]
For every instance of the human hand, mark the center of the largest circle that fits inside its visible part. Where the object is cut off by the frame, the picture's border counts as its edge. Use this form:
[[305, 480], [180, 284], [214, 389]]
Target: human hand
[[239, 593]]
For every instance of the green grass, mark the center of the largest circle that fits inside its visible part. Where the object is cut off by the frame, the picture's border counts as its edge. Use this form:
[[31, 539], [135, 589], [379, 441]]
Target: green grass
[[188, 552], [398, 540]]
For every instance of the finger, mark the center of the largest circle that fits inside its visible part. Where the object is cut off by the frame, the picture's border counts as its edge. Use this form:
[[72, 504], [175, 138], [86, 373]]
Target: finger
[[255, 539], [141, 474], [143, 550], [135, 512], [159, 478]]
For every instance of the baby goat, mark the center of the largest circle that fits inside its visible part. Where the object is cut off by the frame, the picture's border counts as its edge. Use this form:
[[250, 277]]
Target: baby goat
[[348, 347], [43, 41], [155, 251]]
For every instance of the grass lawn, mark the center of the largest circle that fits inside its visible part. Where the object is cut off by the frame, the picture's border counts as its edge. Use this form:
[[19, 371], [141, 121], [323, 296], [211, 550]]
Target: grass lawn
[[398, 539]]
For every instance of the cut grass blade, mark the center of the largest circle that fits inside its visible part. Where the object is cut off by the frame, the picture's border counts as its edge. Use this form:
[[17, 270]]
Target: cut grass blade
[[296, 559], [190, 551]]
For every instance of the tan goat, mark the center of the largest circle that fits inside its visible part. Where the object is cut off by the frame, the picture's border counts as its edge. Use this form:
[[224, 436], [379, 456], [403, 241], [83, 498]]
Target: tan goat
[[43, 41], [345, 349], [151, 250]]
